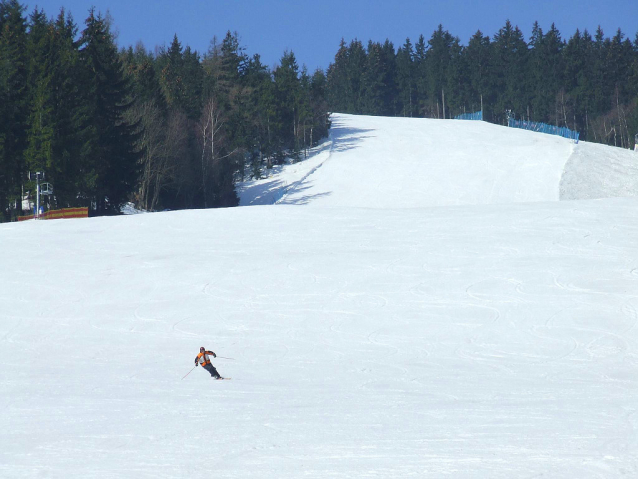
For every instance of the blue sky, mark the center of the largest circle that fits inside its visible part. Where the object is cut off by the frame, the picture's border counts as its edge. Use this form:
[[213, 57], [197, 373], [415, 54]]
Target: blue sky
[[312, 30]]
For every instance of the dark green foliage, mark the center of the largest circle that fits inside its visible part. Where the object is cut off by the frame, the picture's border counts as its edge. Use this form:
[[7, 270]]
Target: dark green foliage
[[588, 84], [478, 62], [345, 78], [510, 63], [406, 80], [440, 61], [165, 130], [111, 153], [181, 78], [174, 129], [374, 81], [57, 122], [287, 98], [14, 109]]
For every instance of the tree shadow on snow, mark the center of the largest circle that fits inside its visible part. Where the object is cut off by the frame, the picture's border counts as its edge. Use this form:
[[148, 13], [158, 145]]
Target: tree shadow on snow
[[347, 138], [265, 193], [303, 199], [274, 191]]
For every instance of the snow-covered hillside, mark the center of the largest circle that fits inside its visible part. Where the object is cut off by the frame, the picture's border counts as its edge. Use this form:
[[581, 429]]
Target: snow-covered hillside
[[408, 162], [445, 318]]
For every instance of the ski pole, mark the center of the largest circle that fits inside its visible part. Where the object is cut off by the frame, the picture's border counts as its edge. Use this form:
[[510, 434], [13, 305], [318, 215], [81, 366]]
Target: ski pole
[[189, 371], [222, 357]]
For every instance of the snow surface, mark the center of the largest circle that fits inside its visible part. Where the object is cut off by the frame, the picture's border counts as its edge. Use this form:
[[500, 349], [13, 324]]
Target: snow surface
[[432, 310], [408, 162]]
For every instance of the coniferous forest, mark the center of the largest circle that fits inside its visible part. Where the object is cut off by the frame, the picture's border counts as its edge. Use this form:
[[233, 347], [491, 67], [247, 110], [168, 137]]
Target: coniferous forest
[[167, 130], [175, 128], [588, 84]]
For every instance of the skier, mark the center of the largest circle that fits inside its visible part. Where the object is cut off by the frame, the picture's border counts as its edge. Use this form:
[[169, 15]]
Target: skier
[[203, 359]]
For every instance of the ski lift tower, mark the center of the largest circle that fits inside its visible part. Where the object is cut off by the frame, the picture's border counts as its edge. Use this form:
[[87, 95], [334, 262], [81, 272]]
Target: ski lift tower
[[40, 189]]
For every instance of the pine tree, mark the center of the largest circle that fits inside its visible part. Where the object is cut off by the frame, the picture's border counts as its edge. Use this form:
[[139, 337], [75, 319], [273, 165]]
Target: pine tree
[[421, 75], [456, 87], [389, 78], [304, 117], [577, 77], [633, 81], [68, 170], [438, 59], [620, 58], [478, 60], [510, 57], [261, 113], [172, 66], [287, 96], [600, 77], [111, 148], [337, 76], [40, 125], [355, 69], [13, 103], [192, 78], [139, 67], [320, 121], [373, 81], [546, 70], [406, 82]]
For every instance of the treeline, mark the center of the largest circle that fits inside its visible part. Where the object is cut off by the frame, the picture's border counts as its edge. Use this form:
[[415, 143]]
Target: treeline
[[585, 83], [169, 129], [174, 128]]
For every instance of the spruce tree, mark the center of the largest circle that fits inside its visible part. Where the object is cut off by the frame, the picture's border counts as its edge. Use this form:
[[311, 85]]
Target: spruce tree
[[70, 113], [320, 121], [600, 78], [111, 149], [478, 60], [260, 113], [438, 60], [373, 81], [510, 57], [287, 96], [406, 82], [14, 108], [421, 75], [457, 88], [546, 70], [577, 74], [337, 76], [388, 67], [354, 70], [40, 124]]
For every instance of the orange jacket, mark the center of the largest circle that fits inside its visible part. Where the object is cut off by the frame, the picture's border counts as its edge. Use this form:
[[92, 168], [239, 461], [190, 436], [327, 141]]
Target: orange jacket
[[203, 359]]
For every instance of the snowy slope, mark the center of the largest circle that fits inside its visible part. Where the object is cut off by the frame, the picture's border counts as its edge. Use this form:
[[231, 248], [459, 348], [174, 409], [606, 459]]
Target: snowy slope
[[493, 339], [409, 162], [598, 171]]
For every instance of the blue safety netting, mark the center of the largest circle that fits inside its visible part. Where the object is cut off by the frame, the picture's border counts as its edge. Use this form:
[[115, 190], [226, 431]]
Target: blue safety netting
[[470, 116], [544, 128]]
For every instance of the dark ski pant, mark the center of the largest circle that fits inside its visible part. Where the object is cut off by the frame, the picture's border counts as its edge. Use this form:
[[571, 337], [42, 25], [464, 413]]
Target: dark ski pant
[[211, 369]]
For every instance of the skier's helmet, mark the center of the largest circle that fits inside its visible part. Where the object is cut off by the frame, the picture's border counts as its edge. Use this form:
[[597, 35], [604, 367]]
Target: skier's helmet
[[202, 349]]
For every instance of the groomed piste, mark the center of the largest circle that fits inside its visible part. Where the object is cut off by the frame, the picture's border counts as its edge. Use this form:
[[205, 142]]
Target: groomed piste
[[418, 298]]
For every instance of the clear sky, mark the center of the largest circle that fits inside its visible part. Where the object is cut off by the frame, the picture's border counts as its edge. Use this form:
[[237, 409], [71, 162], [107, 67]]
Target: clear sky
[[312, 30]]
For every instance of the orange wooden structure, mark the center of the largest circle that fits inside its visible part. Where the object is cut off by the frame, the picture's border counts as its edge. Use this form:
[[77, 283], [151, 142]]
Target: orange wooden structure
[[82, 212]]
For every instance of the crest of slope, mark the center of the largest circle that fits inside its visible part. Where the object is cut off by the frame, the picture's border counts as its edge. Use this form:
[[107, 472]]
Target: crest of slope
[[383, 162]]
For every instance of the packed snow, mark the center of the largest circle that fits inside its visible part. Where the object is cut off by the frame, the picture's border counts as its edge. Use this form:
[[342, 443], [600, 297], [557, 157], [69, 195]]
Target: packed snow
[[412, 300], [408, 162]]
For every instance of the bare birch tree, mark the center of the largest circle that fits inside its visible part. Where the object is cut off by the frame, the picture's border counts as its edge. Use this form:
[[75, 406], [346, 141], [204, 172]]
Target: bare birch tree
[[213, 140], [161, 142]]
